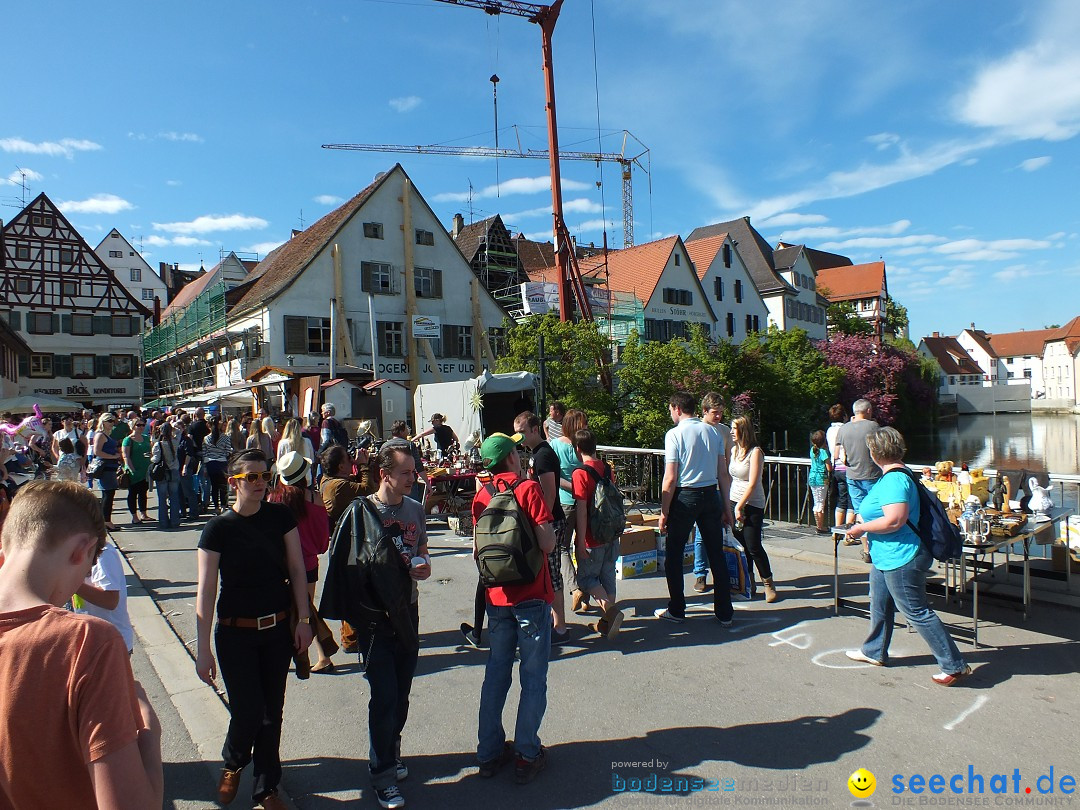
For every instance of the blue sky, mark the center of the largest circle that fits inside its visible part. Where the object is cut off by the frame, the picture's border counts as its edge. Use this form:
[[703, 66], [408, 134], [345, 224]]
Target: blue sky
[[938, 136]]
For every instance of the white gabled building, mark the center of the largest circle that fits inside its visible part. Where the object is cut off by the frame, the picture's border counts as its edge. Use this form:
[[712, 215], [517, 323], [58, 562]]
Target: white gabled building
[[81, 324], [728, 287], [785, 278], [131, 269], [383, 251], [977, 344]]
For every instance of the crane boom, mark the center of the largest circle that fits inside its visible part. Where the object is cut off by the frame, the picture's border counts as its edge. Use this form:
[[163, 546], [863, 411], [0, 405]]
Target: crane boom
[[538, 154]]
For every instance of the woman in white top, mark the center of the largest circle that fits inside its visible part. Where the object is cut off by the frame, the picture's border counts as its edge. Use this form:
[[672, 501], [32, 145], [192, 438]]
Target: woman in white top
[[292, 438], [845, 515], [748, 498]]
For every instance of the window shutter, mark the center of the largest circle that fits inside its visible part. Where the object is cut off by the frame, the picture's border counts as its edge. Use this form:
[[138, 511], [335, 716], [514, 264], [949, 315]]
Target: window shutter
[[295, 335], [727, 255], [102, 324], [365, 277], [55, 322], [65, 327], [15, 320], [102, 366], [24, 366], [436, 283], [62, 365]]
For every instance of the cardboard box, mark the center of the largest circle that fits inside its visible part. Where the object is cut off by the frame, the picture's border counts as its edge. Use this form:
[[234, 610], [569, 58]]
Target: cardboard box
[[661, 557], [635, 565], [651, 520], [1058, 554], [637, 540], [635, 519]]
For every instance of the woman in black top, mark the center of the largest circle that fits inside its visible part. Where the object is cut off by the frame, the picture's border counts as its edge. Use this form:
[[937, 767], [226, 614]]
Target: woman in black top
[[256, 549]]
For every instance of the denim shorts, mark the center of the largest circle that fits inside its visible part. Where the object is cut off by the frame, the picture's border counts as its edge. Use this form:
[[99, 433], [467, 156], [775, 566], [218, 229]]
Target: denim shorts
[[598, 569]]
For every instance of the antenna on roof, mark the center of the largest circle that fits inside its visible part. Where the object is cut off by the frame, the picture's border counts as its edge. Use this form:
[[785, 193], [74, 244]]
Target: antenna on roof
[[301, 219], [470, 200]]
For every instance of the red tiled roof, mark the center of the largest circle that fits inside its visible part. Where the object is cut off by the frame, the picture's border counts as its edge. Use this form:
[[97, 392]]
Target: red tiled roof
[[703, 251], [951, 356], [635, 269], [188, 293], [1070, 333], [853, 282], [284, 264], [1014, 344]]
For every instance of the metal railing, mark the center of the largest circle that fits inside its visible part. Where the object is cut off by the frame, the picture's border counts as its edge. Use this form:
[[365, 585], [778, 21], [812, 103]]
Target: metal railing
[[640, 473]]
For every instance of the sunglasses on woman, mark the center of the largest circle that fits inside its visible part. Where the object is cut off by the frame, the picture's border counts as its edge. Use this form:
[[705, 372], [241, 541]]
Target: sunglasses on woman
[[252, 477]]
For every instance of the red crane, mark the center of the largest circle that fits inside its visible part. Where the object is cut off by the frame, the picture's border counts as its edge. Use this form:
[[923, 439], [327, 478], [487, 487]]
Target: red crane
[[571, 286]]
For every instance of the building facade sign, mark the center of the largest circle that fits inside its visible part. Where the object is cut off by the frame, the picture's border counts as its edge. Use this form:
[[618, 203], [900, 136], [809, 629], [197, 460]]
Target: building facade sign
[[427, 327]]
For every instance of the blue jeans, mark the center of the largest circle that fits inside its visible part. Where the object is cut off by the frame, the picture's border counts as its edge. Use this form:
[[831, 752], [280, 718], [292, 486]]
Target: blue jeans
[[701, 506], [701, 559], [189, 490], [905, 587], [168, 501], [526, 628], [390, 669], [858, 489]]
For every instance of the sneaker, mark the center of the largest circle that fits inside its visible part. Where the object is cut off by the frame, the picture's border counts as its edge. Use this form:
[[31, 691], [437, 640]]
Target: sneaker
[[857, 655], [526, 770], [402, 772], [471, 638], [390, 796], [558, 639], [490, 767], [945, 679], [699, 585], [726, 622], [667, 616]]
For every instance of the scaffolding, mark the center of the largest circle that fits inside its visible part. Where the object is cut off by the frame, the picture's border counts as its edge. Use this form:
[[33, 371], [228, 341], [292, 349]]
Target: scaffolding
[[625, 313]]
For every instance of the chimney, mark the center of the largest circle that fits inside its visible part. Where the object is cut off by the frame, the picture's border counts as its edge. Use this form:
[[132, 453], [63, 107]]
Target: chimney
[[459, 225], [937, 334]]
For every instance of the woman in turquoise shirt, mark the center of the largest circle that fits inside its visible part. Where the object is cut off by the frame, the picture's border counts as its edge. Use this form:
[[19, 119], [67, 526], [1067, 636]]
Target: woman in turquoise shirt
[[900, 562]]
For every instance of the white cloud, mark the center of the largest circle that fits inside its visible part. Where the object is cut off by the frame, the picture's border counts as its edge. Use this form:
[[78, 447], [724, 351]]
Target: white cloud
[[211, 223], [98, 204], [65, 147], [328, 199], [262, 248], [1033, 92], [591, 225], [181, 241], [179, 137], [174, 182], [1035, 163], [978, 250], [829, 232], [883, 140], [579, 205], [16, 177], [1018, 271], [515, 185], [870, 176], [791, 218], [879, 242], [404, 104]]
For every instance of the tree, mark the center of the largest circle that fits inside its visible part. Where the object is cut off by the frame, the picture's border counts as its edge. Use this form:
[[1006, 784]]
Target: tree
[[894, 380], [844, 319], [896, 318], [579, 357]]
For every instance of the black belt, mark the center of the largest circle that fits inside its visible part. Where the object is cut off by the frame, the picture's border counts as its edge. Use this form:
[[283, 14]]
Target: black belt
[[261, 623], [696, 489]]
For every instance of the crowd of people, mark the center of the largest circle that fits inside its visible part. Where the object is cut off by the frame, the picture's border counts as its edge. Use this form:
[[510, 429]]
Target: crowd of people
[[277, 489]]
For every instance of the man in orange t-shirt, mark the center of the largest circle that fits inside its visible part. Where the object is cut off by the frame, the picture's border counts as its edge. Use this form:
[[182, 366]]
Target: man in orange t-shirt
[[519, 618], [76, 730]]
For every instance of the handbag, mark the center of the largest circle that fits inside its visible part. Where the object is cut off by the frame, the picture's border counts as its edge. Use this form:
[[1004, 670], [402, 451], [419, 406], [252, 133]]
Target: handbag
[[93, 469], [740, 583], [123, 478]]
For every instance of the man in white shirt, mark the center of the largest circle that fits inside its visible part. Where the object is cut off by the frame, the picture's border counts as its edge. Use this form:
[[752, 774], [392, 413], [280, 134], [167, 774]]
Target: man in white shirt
[[694, 491]]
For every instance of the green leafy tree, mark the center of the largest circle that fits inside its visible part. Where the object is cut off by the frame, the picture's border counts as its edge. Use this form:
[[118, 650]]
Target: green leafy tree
[[576, 370], [844, 319], [896, 318]]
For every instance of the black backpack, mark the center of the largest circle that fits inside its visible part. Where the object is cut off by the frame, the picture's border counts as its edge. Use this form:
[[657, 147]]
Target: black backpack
[[507, 552], [607, 512], [938, 534]]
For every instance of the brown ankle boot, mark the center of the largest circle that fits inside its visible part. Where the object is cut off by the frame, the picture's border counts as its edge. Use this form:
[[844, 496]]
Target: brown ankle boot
[[770, 591], [819, 517], [614, 618]]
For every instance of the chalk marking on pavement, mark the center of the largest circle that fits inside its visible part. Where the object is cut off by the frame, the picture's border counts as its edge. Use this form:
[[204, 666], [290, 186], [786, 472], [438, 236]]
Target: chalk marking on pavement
[[974, 707], [800, 641], [817, 659]]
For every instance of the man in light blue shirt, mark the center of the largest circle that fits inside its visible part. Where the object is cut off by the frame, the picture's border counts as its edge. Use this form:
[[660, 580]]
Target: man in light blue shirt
[[694, 491]]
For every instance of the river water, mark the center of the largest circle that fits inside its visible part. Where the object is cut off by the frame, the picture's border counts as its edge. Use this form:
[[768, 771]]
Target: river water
[[1049, 442]]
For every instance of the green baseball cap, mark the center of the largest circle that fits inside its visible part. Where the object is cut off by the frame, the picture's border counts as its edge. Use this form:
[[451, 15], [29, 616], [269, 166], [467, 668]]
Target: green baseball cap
[[498, 446]]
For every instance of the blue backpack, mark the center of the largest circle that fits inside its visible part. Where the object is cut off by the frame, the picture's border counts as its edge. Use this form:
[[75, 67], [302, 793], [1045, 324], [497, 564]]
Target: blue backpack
[[938, 534]]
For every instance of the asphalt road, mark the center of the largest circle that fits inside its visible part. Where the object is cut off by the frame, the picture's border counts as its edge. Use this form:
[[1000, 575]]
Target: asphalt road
[[769, 712]]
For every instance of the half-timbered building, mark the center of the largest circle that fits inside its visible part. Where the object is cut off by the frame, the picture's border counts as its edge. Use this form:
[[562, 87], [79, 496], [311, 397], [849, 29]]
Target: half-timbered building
[[81, 324]]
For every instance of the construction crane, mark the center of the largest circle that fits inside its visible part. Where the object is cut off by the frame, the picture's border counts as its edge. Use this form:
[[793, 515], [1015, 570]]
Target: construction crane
[[625, 162]]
